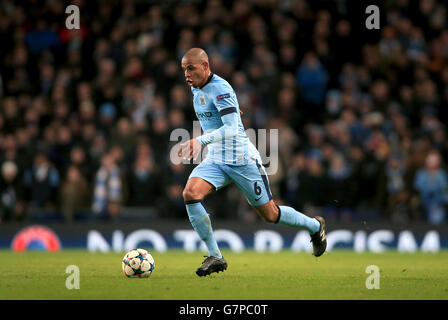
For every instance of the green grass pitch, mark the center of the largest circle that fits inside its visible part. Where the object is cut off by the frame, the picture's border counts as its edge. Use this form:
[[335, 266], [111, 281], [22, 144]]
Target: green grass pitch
[[286, 275]]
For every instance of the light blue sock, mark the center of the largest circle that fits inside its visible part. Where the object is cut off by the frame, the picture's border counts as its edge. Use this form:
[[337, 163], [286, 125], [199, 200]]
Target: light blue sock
[[293, 218], [200, 221]]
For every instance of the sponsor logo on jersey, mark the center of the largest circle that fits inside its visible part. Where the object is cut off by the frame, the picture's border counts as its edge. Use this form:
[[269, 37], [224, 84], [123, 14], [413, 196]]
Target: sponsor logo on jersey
[[203, 115], [223, 96]]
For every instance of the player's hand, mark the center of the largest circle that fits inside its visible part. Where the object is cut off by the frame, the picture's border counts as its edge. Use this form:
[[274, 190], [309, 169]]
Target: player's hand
[[190, 149]]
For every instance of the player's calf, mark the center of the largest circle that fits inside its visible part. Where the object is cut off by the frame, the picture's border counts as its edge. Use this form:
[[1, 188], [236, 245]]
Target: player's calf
[[269, 212]]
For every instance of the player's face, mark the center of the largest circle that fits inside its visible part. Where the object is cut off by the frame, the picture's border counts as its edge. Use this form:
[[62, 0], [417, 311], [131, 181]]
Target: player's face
[[195, 72]]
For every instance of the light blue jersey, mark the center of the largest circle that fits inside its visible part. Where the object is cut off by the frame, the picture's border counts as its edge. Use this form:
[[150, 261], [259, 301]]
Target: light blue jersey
[[231, 158], [217, 109]]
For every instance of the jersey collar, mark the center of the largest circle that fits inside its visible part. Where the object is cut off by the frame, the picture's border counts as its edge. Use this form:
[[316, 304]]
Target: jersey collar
[[208, 80]]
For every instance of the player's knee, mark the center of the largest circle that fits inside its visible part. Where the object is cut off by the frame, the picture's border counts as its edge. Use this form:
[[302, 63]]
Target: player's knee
[[191, 193]]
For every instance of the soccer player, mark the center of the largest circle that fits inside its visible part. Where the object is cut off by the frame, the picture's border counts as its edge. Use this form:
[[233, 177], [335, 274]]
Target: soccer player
[[231, 158]]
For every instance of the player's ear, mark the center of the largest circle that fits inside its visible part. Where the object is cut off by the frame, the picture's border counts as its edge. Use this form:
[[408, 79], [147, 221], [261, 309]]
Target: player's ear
[[205, 65]]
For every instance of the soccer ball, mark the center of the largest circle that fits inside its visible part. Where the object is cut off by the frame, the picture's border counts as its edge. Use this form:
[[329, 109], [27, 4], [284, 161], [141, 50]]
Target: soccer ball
[[137, 263]]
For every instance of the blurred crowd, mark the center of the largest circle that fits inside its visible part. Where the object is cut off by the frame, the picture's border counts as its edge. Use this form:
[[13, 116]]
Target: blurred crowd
[[86, 115]]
